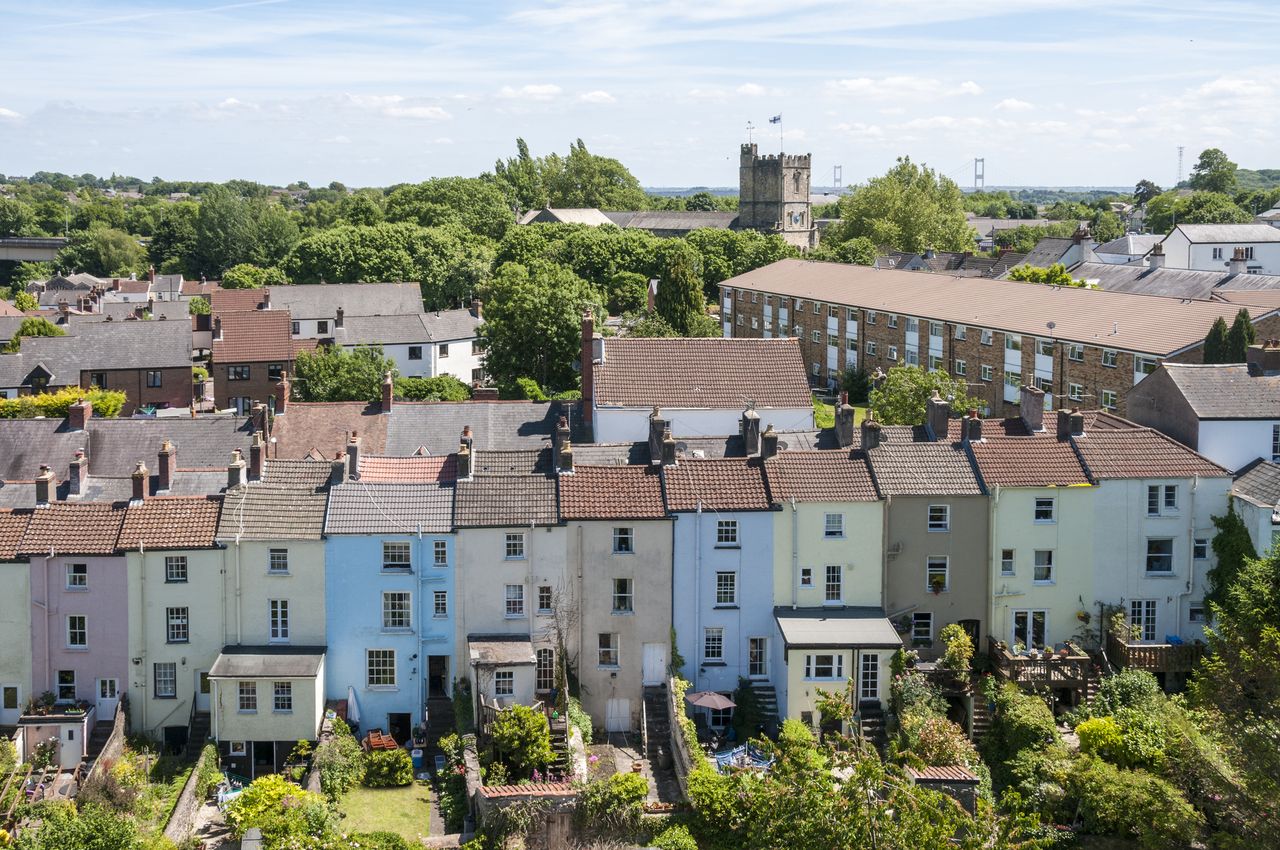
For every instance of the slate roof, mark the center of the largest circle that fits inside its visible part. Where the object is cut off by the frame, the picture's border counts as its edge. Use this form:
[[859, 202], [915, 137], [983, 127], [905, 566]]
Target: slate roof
[[825, 476], [13, 525], [702, 373], [1170, 282], [566, 215], [382, 330], [923, 469], [104, 346], [170, 523], [1141, 453], [831, 627], [1259, 483], [495, 425], [446, 325], [512, 462], [1226, 390], [1038, 461], [306, 474], [120, 311], [501, 649], [359, 507], [683, 220], [718, 485], [72, 529], [1131, 244], [491, 501], [1235, 233], [1048, 250], [322, 300], [416, 469], [267, 662], [260, 511], [257, 337], [611, 492]]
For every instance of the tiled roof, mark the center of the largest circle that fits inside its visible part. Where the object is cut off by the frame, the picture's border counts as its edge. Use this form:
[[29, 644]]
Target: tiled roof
[[13, 525], [256, 337], [363, 508], [271, 512], [1141, 453], [951, 773], [1038, 461], [718, 485], [924, 469], [415, 469], [233, 300], [506, 500], [530, 789], [1259, 483], [170, 523], [611, 492], [322, 300], [512, 462], [824, 476], [72, 529], [495, 425], [326, 426], [1226, 391], [305, 474], [702, 373]]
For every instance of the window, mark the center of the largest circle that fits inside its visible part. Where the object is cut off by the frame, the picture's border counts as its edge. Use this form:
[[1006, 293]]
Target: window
[[1029, 628], [1007, 562], [1195, 612], [396, 556], [871, 347], [608, 649], [961, 332], [237, 373], [515, 600], [726, 588], [713, 644], [99, 380], [817, 309], [834, 526], [1108, 399], [1160, 555], [1013, 379], [935, 329], [1145, 365], [1075, 392], [275, 371], [1248, 252], [962, 368], [851, 315], [248, 692], [153, 378], [77, 576], [1045, 385], [921, 627], [833, 340], [177, 626], [1200, 548], [239, 748], [10, 697], [825, 666], [913, 325], [835, 583], [175, 569], [415, 352], [165, 676], [544, 673], [1153, 500], [986, 337], [295, 328], [380, 668], [1012, 342], [66, 685], [1275, 443], [742, 320], [544, 599], [893, 352], [1043, 570], [279, 620], [755, 323], [757, 656], [515, 546], [936, 574], [1075, 351], [622, 596], [816, 336], [444, 350], [939, 517], [869, 677], [1044, 509], [282, 698], [440, 553], [719, 718], [871, 317], [504, 683], [806, 577], [799, 304], [797, 330], [77, 631], [1109, 357], [322, 326], [1171, 497], [1044, 347], [727, 532], [278, 561], [1217, 253], [893, 321], [985, 372], [440, 604], [397, 606], [623, 541]]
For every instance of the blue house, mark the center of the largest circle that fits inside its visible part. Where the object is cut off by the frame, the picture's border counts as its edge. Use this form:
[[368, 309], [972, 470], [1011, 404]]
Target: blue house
[[389, 562]]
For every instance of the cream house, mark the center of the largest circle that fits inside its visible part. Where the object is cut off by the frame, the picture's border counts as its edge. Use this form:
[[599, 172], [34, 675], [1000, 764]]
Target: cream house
[[15, 619]]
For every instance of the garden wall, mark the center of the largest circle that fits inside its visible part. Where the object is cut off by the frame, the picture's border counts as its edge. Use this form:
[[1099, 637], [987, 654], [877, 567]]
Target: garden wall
[[114, 746], [183, 818]]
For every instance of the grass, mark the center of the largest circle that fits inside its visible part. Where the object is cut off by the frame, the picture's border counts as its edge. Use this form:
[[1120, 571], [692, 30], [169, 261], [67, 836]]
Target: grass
[[405, 811], [824, 415]]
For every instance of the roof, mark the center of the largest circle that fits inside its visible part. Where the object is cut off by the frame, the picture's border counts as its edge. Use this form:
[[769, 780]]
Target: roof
[[104, 346], [1259, 483], [820, 476], [306, 474], [234, 300], [678, 220], [1041, 460], [717, 485], [445, 325], [819, 628], [950, 773], [495, 425], [382, 330], [203, 442], [259, 511], [1048, 250], [326, 426], [923, 468], [1226, 390], [612, 492], [566, 215], [1096, 317], [322, 300], [416, 469], [359, 507], [530, 789], [500, 649], [1131, 244], [72, 529], [1141, 453], [701, 373], [263, 335], [268, 662], [173, 522], [489, 501], [13, 525], [1237, 233], [1141, 279]]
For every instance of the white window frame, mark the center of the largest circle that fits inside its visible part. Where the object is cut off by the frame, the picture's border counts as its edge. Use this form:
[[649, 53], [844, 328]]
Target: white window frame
[[1042, 567], [1043, 504], [834, 667], [713, 644], [1075, 352], [727, 534], [624, 597], [397, 556], [1075, 392], [806, 576], [175, 569], [624, 540], [247, 697], [504, 683], [935, 565], [77, 576], [1028, 617], [440, 553], [1110, 401], [513, 599], [986, 337], [277, 562], [1161, 557], [1110, 357], [1275, 443], [1008, 562], [64, 682], [726, 589], [833, 578], [962, 368], [77, 631], [282, 697], [546, 594], [833, 526], [757, 657], [1200, 549], [440, 604], [165, 675], [278, 620], [986, 373], [608, 650], [869, 677], [939, 518], [921, 627], [397, 610], [380, 669], [177, 624], [1142, 617], [514, 549]]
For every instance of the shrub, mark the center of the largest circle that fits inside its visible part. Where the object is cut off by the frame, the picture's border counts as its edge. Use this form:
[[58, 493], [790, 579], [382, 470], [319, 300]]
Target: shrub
[[388, 768], [105, 789], [442, 388], [1132, 804], [937, 741], [959, 651], [910, 690], [522, 739], [1021, 723], [521, 388], [199, 374], [614, 805], [1100, 736], [284, 812], [340, 763], [579, 718], [1127, 689], [463, 707], [63, 827], [54, 405], [210, 772], [378, 841], [675, 837]]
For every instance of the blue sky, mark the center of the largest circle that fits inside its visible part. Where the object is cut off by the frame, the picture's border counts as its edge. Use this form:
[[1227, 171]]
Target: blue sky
[[1059, 92]]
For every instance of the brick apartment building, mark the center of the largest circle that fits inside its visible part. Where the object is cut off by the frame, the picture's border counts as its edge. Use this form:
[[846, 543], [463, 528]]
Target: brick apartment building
[[252, 351], [1080, 346]]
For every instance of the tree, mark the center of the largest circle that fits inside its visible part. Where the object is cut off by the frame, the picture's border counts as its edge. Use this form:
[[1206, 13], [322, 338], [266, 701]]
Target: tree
[[589, 180], [1105, 226], [1215, 343], [910, 208], [1213, 172], [701, 202], [647, 324], [903, 396], [1145, 191], [1025, 236], [1054, 275], [442, 388], [25, 301], [1210, 208], [521, 179], [1241, 335], [679, 299], [16, 218], [332, 373], [522, 740], [286, 814], [476, 204], [249, 276], [103, 252], [198, 306], [1232, 548], [173, 239], [230, 229], [32, 326], [857, 383]]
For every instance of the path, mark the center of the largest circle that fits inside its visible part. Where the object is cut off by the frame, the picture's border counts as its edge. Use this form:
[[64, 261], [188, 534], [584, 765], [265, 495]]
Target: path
[[211, 827], [626, 752]]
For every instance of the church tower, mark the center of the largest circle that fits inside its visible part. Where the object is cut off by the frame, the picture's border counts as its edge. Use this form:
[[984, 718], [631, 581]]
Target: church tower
[[773, 196]]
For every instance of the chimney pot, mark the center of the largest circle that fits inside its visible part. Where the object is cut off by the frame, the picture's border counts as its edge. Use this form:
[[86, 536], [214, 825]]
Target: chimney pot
[[870, 432], [560, 437], [1077, 422], [217, 328], [353, 456], [339, 317], [166, 466], [337, 469], [1238, 264], [564, 458], [973, 428], [139, 482], [1155, 259], [78, 472], [768, 443], [668, 448], [477, 308]]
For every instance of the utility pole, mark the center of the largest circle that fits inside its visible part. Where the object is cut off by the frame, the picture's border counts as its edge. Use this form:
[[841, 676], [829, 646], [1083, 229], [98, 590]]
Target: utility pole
[[1180, 150]]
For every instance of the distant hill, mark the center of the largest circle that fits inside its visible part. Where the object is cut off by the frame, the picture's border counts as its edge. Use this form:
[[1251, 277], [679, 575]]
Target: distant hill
[[1264, 178]]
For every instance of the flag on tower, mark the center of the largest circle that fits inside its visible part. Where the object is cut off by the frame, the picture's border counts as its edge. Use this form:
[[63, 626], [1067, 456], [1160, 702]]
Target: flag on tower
[[777, 119]]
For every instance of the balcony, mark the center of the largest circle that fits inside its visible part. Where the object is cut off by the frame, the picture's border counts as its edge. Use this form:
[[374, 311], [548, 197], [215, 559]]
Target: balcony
[[1055, 670], [1154, 657]]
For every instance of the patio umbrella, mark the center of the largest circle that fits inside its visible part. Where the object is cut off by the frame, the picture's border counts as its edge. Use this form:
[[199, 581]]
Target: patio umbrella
[[353, 707], [711, 700]]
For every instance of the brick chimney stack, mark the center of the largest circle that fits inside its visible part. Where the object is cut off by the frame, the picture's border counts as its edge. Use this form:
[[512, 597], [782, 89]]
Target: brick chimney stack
[[77, 473], [282, 395], [845, 415], [477, 308], [937, 417], [464, 460], [78, 415], [749, 427], [1155, 260], [668, 448], [353, 456], [1031, 408], [166, 466], [338, 469], [560, 437], [972, 429], [1077, 422], [255, 456], [235, 470], [657, 427], [870, 432], [588, 382], [768, 443], [1238, 264], [1064, 424], [388, 392], [217, 328], [339, 317], [139, 477], [564, 458], [45, 484]]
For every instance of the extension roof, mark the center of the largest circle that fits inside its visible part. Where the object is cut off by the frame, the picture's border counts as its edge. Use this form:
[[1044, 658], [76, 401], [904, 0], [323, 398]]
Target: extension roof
[[1258, 483], [822, 628], [1226, 390], [717, 485], [268, 662], [820, 476], [611, 492]]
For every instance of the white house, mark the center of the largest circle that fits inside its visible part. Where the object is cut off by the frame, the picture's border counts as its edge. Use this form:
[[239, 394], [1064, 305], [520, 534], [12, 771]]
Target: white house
[[318, 310], [1126, 249], [422, 345], [1214, 247], [1257, 501]]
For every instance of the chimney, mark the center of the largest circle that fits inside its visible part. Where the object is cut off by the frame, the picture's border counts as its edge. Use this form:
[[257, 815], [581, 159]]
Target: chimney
[[937, 417], [1081, 234], [78, 415], [255, 457], [844, 422], [560, 437], [1077, 422], [217, 328], [477, 308], [668, 448], [115, 284], [139, 482], [1064, 423], [749, 427], [972, 427], [1155, 260], [166, 466], [652, 295], [388, 392], [588, 383], [338, 318], [1238, 264], [870, 432], [77, 473], [353, 456], [337, 469], [258, 416], [151, 274], [1264, 358], [266, 299], [464, 461], [44, 485], [63, 307], [564, 458], [657, 426], [235, 470], [768, 443], [467, 439], [282, 395], [1031, 408]]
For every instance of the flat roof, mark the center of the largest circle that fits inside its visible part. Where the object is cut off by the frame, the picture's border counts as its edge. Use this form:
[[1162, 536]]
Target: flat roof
[[823, 628]]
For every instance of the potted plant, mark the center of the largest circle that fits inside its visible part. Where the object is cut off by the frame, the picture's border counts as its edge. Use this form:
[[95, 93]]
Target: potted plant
[[959, 649], [1084, 616], [937, 584]]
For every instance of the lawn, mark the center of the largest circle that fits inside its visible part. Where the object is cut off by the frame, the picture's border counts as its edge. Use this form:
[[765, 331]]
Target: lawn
[[824, 415], [406, 811]]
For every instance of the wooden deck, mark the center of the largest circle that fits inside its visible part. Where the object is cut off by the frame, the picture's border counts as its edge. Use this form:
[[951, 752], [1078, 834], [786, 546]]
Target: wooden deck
[[1154, 657], [1056, 671]]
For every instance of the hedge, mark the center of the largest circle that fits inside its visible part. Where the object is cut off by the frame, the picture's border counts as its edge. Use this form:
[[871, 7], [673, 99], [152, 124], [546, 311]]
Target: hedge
[[54, 405]]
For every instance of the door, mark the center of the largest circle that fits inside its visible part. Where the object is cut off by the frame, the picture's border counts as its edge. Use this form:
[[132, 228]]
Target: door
[[869, 678], [71, 751], [202, 690], [655, 663], [108, 698], [758, 657], [1029, 629], [1142, 617], [437, 675], [617, 716], [10, 704]]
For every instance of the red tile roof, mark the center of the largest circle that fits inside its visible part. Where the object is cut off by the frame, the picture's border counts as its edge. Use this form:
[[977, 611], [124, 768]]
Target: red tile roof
[[132, 286], [429, 469], [950, 773], [264, 335], [13, 524], [72, 529], [325, 426], [530, 789], [611, 492], [721, 485], [173, 522], [1141, 453], [1036, 461], [820, 476], [233, 300]]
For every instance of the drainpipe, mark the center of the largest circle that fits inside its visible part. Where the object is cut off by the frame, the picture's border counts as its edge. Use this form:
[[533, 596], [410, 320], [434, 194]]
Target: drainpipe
[[142, 615], [420, 626], [46, 606], [884, 550], [1191, 550], [795, 557], [992, 504], [239, 621], [530, 603], [697, 590], [581, 599]]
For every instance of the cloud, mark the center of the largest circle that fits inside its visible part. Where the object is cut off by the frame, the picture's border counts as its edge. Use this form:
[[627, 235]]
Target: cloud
[[337, 140], [373, 101], [858, 130], [1233, 88], [597, 96], [751, 89], [9, 113], [543, 91], [1012, 104], [902, 86], [431, 113], [443, 140], [795, 135], [968, 87]]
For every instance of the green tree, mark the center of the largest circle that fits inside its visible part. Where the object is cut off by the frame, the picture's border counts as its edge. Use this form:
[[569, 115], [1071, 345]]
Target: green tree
[[230, 229], [647, 324], [198, 306], [902, 398], [331, 373], [32, 326], [521, 180], [1241, 335], [1213, 172], [1025, 236], [25, 301], [701, 202], [589, 180], [442, 388], [1105, 226], [16, 218], [476, 204], [680, 299], [522, 740], [1211, 208], [361, 208], [1054, 275], [910, 208], [249, 276], [1144, 191], [1232, 549], [1215, 343], [285, 813], [103, 252], [25, 272], [173, 239]]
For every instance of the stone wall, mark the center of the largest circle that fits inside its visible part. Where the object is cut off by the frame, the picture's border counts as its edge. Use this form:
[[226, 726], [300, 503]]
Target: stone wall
[[183, 818], [115, 744]]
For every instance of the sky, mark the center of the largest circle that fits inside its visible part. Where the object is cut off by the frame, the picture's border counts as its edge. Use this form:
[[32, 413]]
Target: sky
[[1048, 92]]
